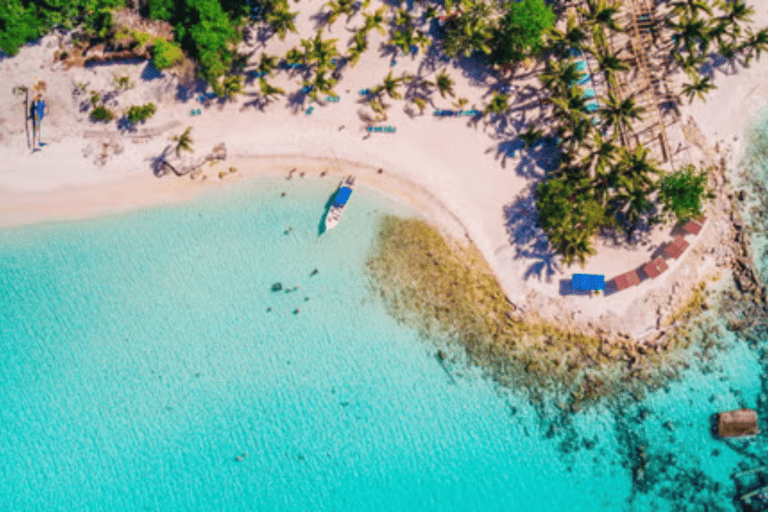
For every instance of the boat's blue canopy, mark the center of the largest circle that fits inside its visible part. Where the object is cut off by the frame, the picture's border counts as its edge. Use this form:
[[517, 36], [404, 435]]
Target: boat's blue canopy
[[588, 282], [343, 195]]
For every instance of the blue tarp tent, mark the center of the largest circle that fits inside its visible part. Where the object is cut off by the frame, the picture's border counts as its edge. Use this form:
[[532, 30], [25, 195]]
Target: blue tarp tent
[[587, 282], [343, 195]]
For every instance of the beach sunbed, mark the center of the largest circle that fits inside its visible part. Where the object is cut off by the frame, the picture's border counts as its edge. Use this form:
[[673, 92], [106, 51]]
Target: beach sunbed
[[676, 247], [592, 106], [581, 65], [588, 94], [587, 282], [655, 268], [692, 227]]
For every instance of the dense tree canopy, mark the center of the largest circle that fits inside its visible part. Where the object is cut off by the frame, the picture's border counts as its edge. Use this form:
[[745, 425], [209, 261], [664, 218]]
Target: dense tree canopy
[[22, 20], [520, 31]]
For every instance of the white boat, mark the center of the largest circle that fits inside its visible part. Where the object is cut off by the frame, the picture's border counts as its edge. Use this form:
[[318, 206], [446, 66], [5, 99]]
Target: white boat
[[339, 202]]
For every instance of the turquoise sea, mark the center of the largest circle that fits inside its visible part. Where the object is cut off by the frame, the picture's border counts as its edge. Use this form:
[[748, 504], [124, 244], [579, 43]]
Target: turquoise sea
[[141, 369]]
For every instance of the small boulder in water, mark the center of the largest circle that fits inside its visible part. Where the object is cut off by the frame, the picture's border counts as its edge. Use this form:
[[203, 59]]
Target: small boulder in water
[[276, 287]]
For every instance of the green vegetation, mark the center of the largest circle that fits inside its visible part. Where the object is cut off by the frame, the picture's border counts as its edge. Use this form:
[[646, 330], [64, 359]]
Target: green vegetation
[[183, 141], [22, 20], [682, 193], [102, 114], [446, 291], [165, 54], [140, 113], [519, 34]]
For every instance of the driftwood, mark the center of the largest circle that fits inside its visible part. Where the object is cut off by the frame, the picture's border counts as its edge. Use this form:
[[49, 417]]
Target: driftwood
[[183, 164]]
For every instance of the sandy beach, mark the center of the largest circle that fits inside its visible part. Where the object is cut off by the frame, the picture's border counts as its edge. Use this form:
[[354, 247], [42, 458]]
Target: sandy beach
[[472, 180]]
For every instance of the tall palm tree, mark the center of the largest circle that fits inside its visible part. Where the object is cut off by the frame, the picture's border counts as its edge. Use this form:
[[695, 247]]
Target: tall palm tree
[[755, 44], [573, 37], [232, 86], [620, 112], [737, 11], [358, 48], [700, 86], [691, 32], [281, 20], [267, 64], [268, 91], [499, 104], [690, 7], [183, 141], [319, 51], [558, 78], [610, 64], [444, 84], [320, 85], [375, 21], [406, 37], [390, 85]]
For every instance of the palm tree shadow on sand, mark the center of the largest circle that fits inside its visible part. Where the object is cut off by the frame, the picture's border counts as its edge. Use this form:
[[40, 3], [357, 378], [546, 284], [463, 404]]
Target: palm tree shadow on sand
[[528, 239]]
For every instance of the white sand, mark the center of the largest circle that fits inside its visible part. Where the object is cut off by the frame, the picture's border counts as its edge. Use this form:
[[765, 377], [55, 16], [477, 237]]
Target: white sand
[[454, 172]]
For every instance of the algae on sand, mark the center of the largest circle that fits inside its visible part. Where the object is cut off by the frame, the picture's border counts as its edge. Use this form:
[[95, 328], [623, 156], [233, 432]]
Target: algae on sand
[[446, 290]]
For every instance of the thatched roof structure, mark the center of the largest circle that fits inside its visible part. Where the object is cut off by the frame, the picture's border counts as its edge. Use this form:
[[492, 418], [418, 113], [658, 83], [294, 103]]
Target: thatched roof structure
[[741, 422]]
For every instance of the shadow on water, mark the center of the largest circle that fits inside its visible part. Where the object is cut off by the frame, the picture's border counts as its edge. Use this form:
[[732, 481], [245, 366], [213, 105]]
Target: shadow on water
[[326, 209]]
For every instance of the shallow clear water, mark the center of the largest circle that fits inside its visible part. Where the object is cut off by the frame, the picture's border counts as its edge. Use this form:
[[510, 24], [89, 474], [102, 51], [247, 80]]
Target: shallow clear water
[[139, 363]]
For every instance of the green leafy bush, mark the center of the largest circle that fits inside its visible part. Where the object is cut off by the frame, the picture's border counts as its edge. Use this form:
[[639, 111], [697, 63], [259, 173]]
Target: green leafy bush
[[165, 54], [682, 193], [23, 20], [140, 113], [520, 30], [102, 114]]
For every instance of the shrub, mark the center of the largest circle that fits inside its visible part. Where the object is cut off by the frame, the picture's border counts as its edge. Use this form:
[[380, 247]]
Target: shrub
[[140, 113], [102, 114], [165, 54], [682, 192], [520, 30]]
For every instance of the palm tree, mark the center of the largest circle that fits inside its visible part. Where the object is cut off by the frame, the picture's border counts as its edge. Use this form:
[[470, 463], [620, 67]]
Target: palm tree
[[600, 15], [280, 20], [737, 11], [619, 113], [183, 141], [444, 84], [375, 20], [408, 37], [320, 85], [530, 136], [232, 86], [295, 56], [610, 64], [573, 37], [360, 45], [390, 85], [558, 78], [420, 102], [319, 51], [499, 104], [699, 87], [268, 91], [691, 32], [470, 32], [690, 7], [755, 44], [267, 64]]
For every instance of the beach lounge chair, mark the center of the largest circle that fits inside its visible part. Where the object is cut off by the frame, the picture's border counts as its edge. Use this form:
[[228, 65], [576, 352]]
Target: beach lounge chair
[[588, 94], [626, 280], [592, 106], [581, 65], [587, 282], [655, 268], [692, 227], [676, 247]]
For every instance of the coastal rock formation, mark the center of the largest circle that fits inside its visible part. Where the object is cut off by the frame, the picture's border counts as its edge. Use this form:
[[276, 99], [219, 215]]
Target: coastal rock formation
[[184, 163]]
